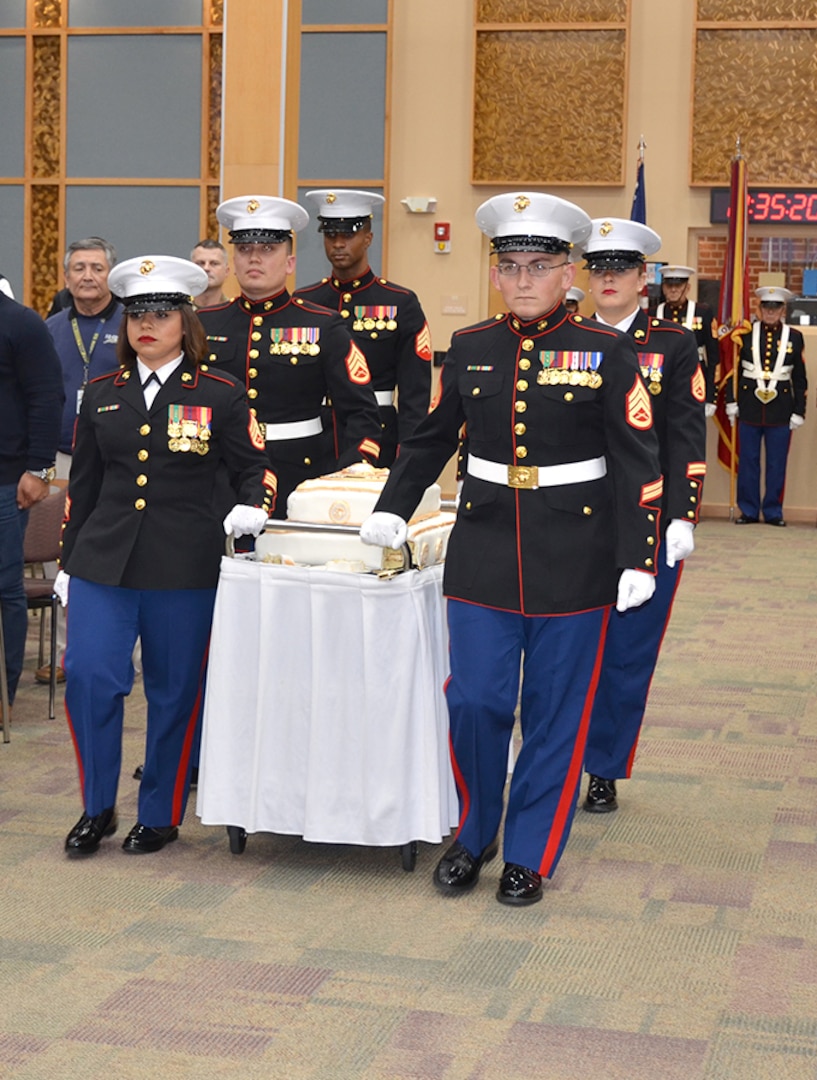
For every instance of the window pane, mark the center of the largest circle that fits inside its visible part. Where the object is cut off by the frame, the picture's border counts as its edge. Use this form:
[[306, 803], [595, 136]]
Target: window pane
[[13, 14], [341, 132], [11, 236], [340, 12], [137, 220], [151, 121], [12, 113], [134, 13], [312, 263]]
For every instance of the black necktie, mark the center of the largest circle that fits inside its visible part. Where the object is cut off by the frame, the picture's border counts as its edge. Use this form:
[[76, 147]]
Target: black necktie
[[153, 377]]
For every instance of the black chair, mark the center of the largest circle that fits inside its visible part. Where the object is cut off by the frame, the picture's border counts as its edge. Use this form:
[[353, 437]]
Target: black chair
[[41, 545]]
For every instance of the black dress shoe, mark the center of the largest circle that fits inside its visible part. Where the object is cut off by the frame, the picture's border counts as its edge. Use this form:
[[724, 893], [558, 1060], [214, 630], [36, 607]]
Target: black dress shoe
[[744, 520], [142, 839], [519, 885], [458, 870], [601, 796], [781, 524], [85, 836]]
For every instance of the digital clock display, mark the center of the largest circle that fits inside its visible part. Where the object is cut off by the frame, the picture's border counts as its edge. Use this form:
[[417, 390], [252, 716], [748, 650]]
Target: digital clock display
[[769, 206]]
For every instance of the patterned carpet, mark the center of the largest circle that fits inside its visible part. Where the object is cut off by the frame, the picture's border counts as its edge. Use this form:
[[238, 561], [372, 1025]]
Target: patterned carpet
[[677, 941]]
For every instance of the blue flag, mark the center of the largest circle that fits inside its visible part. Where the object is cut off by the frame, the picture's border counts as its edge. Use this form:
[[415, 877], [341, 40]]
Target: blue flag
[[639, 208]]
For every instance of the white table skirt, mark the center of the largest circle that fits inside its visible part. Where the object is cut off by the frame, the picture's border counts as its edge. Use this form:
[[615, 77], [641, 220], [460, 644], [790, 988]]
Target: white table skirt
[[325, 715]]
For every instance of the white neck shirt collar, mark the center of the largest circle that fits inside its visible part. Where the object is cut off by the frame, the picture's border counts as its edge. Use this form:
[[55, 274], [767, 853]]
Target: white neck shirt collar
[[625, 323]]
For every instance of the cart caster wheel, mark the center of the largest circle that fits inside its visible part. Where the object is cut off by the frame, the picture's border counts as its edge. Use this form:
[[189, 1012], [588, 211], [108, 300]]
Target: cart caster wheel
[[408, 855], [238, 839]]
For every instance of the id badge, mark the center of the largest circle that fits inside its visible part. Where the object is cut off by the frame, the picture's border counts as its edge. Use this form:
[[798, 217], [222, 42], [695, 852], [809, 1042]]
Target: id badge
[[80, 392]]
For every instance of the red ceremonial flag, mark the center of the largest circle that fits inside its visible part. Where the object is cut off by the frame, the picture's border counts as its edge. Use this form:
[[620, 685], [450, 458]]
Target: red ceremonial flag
[[733, 310]]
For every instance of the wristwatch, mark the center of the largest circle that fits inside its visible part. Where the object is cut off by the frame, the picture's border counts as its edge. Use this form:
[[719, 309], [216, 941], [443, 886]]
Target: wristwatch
[[44, 474]]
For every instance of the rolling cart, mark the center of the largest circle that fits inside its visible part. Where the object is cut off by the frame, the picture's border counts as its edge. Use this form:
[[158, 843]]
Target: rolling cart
[[325, 716]]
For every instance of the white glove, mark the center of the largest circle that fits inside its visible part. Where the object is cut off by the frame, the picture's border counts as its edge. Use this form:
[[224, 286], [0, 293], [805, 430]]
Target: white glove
[[384, 530], [732, 411], [709, 410], [61, 587], [680, 542], [245, 520], [634, 588], [796, 421]]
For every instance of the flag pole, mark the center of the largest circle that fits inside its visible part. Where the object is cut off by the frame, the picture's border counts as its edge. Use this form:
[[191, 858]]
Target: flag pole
[[733, 318], [735, 361]]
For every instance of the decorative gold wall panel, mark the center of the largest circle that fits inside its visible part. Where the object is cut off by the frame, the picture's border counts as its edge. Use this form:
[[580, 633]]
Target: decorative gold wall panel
[[214, 127], [45, 129], [522, 97], [551, 11], [749, 11], [213, 199], [761, 85], [44, 232], [47, 14], [216, 12]]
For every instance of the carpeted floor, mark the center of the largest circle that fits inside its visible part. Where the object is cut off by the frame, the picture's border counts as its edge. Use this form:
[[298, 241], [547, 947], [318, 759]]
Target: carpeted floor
[[677, 941]]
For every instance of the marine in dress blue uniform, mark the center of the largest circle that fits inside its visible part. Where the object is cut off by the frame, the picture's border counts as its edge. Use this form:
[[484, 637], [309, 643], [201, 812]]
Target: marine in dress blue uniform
[[558, 520], [699, 318], [771, 404], [669, 362], [290, 353], [386, 320], [157, 443]]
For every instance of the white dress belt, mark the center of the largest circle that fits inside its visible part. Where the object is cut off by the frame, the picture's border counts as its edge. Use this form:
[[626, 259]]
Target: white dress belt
[[536, 476], [383, 398], [297, 429]]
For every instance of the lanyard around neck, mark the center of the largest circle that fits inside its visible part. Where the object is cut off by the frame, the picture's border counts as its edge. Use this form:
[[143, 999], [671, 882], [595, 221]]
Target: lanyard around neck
[[86, 355]]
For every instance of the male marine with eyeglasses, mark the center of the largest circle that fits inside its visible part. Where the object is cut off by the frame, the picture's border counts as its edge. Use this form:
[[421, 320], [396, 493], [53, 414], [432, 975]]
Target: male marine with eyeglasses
[[287, 351], [558, 520]]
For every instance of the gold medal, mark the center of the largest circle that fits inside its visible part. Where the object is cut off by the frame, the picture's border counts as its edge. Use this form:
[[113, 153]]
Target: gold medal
[[542, 378], [575, 378], [655, 387], [584, 378], [174, 428], [314, 349], [368, 324], [357, 324], [286, 348], [391, 324], [380, 324], [190, 428], [275, 349], [184, 445], [173, 444], [202, 448], [564, 378], [204, 434]]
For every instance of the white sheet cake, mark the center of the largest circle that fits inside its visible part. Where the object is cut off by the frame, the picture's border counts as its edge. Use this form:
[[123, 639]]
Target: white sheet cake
[[347, 498]]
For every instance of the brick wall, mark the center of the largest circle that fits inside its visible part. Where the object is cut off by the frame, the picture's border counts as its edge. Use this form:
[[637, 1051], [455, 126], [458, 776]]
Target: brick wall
[[788, 255]]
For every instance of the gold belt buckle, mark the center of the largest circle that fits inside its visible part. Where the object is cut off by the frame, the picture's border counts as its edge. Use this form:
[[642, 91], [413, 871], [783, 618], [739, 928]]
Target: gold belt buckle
[[523, 476]]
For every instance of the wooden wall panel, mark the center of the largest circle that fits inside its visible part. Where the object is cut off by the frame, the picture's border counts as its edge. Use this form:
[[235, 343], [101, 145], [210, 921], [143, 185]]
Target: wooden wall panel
[[522, 102], [551, 11], [748, 11], [760, 84]]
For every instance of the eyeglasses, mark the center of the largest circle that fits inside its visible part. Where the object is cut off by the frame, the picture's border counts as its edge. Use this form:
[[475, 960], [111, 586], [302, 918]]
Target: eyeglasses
[[603, 271], [535, 269]]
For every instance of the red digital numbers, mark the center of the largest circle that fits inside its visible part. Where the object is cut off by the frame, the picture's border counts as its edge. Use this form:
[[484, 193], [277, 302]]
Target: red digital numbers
[[770, 206]]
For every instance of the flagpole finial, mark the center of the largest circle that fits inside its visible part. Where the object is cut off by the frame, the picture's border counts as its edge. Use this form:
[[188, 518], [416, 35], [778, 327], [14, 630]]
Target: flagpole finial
[[737, 147], [642, 146]]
